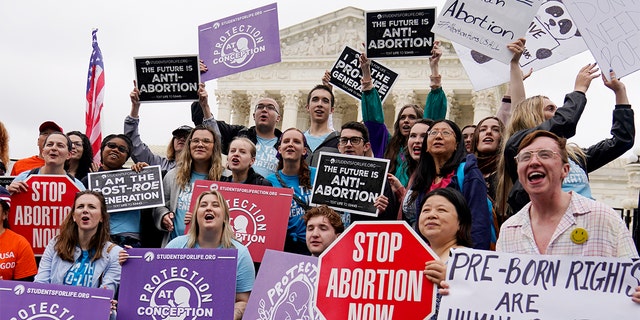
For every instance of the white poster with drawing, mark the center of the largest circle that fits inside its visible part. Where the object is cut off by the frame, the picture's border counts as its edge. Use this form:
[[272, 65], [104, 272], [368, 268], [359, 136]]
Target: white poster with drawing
[[611, 30], [486, 26], [552, 37]]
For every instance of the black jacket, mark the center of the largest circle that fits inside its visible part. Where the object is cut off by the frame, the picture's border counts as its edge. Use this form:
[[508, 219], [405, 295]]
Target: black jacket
[[252, 178]]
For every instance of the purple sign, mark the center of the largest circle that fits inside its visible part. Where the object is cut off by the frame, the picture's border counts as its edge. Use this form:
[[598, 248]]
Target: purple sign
[[240, 42], [284, 289], [27, 300], [178, 284]]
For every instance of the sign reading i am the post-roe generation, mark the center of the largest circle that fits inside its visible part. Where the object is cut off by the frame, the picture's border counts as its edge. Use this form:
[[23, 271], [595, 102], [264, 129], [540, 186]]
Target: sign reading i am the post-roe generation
[[168, 78], [349, 183], [400, 33], [129, 190]]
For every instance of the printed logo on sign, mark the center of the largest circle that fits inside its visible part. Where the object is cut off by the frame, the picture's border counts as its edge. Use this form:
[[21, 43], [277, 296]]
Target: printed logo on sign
[[238, 45], [43, 310], [176, 293], [292, 296], [18, 290], [149, 256], [247, 221], [213, 187]]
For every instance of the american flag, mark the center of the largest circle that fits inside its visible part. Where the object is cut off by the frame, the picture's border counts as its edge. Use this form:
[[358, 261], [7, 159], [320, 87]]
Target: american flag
[[95, 97]]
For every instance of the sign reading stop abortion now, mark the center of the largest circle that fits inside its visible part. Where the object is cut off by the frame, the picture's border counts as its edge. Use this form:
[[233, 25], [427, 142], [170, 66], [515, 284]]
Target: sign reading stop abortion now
[[168, 78], [259, 214], [374, 270], [129, 190], [346, 75], [349, 183], [27, 300], [495, 285], [178, 284], [400, 33], [38, 213]]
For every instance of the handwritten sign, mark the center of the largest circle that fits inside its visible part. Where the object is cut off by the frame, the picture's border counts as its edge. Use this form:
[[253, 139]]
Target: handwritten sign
[[399, 33], [349, 183], [168, 78], [611, 31], [129, 190], [494, 285], [346, 75], [244, 41], [486, 26]]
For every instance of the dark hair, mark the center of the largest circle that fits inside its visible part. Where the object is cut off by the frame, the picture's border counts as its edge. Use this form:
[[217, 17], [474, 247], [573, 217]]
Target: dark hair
[[426, 171], [358, 126], [325, 88], [334, 218], [413, 164], [121, 136], [84, 164], [463, 236], [398, 141], [468, 126], [304, 173], [476, 134], [5, 209], [69, 146]]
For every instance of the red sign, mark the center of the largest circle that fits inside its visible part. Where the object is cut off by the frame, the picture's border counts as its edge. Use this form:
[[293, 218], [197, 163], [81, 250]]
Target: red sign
[[374, 270], [259, 214], [38, 213]]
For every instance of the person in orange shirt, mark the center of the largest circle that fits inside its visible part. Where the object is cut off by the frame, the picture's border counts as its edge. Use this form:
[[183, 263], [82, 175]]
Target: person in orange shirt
[[36, 161], [17, 261]]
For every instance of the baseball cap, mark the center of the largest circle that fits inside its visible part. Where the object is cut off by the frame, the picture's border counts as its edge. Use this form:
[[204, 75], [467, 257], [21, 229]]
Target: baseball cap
[[5, 196], [182, 129], [50, 125]]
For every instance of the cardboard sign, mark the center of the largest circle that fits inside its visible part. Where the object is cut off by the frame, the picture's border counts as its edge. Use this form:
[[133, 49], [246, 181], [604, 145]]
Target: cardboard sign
[[129, 190], [37, 214], [611, 31], [375, 271], [168, 78], [349, 183], [486, 26], [284, 289], [259, 214], [240, 42], [399, 33], [495, 285], [27, 300], [346, 75], [178, 284]]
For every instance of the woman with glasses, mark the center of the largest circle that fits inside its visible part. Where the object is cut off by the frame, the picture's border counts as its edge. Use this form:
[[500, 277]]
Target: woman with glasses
[[202, 160], [81, 161], [443, 166]]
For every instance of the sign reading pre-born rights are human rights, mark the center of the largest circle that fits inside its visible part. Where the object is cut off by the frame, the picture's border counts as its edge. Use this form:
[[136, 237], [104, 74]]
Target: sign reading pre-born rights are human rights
[[241, 42], [167, 78], [349, 183], [129, 190], [400, 33]]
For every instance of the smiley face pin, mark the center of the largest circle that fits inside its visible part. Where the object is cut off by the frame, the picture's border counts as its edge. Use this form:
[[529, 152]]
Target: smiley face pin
[[579, 235]]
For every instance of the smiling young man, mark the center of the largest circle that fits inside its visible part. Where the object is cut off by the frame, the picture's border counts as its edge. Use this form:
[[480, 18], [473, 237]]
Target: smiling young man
[[323, 227], [320, 136]]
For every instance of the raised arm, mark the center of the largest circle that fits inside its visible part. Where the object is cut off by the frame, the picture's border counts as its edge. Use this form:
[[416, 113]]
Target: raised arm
[[436, 105], [372, 112]]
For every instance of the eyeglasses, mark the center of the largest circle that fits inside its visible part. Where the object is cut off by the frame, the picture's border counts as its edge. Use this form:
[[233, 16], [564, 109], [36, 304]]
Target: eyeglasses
[[445, 133], [77, 144], [542, 154], [204, 141], [113, 145], [355, 141], [269, 107]]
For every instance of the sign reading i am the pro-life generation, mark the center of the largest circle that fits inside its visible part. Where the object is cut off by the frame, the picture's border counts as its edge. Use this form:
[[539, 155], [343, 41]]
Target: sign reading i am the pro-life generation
[[168, 78], [346, 75], [241, 42], [28, 300], [400, 33], [374, 270], [349, 183], [497, 285], [129, 190], [178, 284], [38, 213]]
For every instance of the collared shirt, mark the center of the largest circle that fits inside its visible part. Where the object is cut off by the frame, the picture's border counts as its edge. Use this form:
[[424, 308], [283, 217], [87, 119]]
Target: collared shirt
[[608, 235]]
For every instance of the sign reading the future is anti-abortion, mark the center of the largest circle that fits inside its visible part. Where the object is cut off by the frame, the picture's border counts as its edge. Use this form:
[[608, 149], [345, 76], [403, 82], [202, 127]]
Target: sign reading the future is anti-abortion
[[495, 285], [400, 33], [170, 78], [178, 284]]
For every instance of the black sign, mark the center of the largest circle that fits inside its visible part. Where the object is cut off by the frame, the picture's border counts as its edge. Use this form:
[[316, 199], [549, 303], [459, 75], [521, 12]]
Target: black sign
[[349, 183], [346, 74], [168, 78], [6, 181], [400, 33], [129, 190]]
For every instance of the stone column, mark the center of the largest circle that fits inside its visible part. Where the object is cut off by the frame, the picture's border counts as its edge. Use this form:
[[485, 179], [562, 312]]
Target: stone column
[[402, 98], [240, 107], [253, 96], [289, 116], [484, 104], [453, 109], [224, 98]]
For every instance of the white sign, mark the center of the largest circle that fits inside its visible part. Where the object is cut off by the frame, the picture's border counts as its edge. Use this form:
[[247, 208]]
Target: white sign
[[495, 285], [611, 29], [486, 26]]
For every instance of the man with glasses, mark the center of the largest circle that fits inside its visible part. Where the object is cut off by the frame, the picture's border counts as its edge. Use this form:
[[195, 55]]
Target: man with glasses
[[558, 222], [354, 140], [36, 161]]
